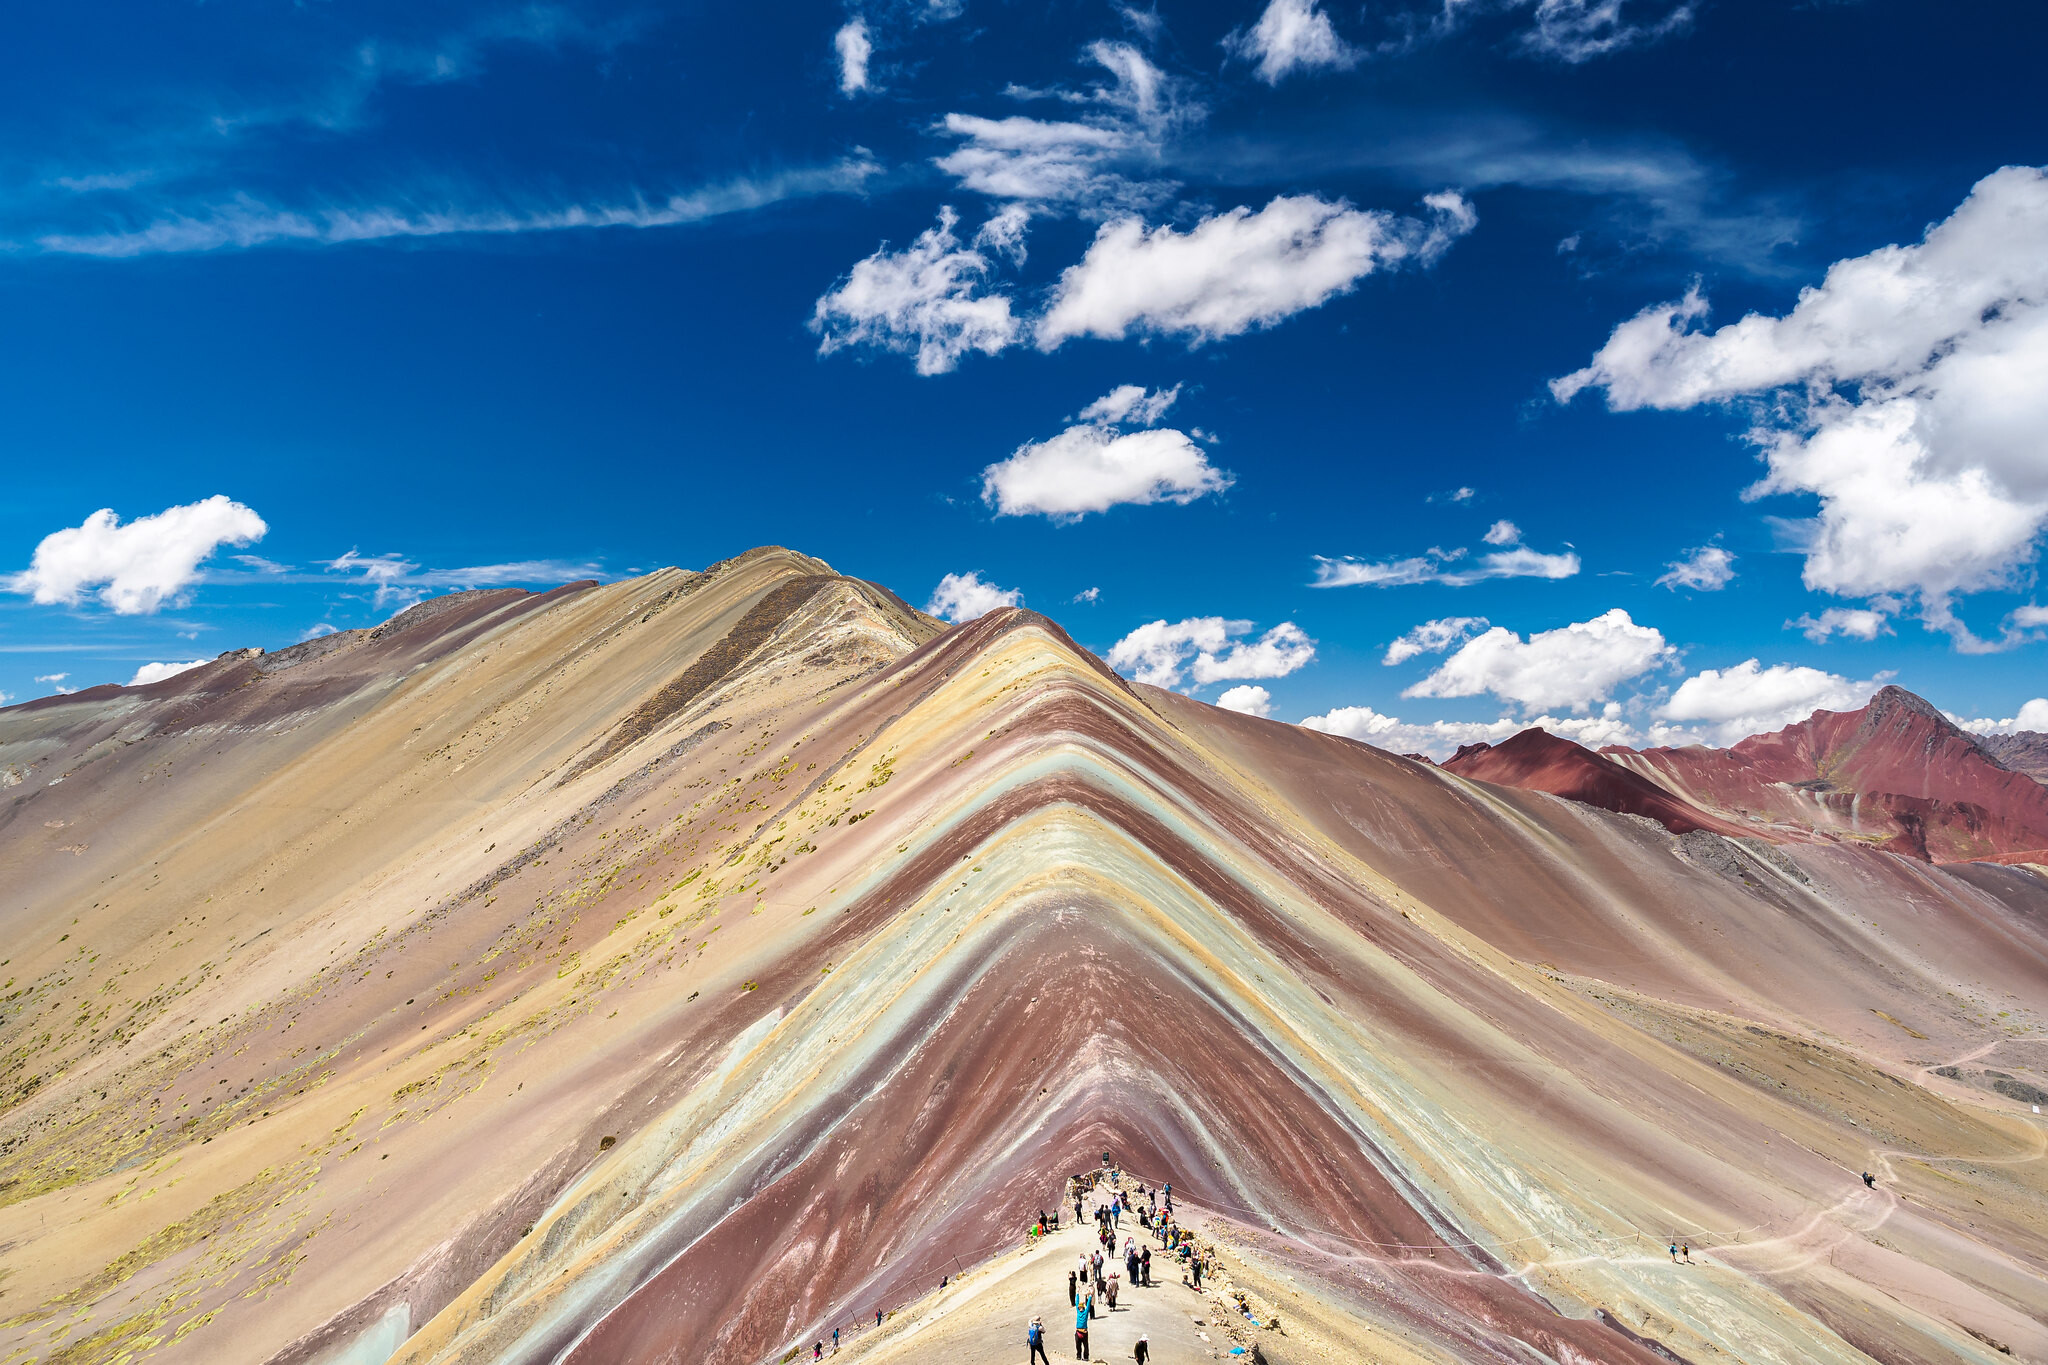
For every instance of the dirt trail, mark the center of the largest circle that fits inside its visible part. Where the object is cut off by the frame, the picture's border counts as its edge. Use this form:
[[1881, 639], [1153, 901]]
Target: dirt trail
[[979, 1318]]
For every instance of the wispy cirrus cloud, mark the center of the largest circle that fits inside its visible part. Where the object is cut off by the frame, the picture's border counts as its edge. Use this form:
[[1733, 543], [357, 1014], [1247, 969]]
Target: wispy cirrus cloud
[[246, 221], [395, 579], [1452, 568]]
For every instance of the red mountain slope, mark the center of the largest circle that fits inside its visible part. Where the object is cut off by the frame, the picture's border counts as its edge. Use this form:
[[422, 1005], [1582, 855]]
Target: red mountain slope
[[1896, 773], [1540, 761]]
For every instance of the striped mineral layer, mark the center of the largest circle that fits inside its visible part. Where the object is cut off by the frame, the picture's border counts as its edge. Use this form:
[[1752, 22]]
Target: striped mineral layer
[[678, 968]]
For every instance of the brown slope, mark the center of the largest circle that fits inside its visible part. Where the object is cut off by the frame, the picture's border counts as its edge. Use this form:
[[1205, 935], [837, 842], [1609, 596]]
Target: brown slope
[[1537, 760], [1895, 772]]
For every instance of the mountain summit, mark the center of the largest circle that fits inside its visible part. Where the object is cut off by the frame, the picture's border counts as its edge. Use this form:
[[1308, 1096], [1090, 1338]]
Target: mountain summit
[[715, 961]]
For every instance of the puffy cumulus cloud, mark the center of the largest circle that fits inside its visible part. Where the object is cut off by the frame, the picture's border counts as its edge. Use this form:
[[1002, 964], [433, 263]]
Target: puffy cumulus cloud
[[1210, 649], [156, 673], [137, 567], [1907, 391], [2032, 716], [1290, 36], [1709, 568], [1748, 699], [1572, 666], [1432, 637], [965, 596], [1503, 532], [1441, 738], [1454, 568], [1096, 464], [853, 45], [1239, 270], [1862, 623], [1248, 698], [926, 300], [1088, 595]]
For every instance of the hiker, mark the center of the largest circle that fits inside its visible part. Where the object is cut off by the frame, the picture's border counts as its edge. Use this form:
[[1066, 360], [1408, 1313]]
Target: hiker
[[1081, 1331], [1083, 1259], [1869, 1181], [1143, 1350], [1198, 1272], [1674, 1253], [817, 1350], [835, 1341], [1073, 1291], [1110, 1293], [1035, 1336], [878, 1317], [1685, 1250], [1088, 1302], [1131, 1267], [1077, 1208], [1095, 1264], [1145, 1266]]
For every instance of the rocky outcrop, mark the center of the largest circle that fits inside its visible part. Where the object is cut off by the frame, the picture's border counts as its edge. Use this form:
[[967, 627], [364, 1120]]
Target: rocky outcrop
[[2024, 752]]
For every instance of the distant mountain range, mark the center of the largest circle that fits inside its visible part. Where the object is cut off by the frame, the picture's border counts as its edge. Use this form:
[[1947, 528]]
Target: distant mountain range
[[1896, 775]]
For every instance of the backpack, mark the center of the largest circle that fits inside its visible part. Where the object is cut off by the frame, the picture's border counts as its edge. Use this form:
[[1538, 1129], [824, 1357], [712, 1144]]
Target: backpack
[[1033, 1334]]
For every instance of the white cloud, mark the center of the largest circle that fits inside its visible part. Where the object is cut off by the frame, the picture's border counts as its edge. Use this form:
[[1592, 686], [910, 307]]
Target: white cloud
[[1246, 698], [1034, 159], [1208, 648], [1434, 566], [156, 673], [1237, 271], [1503, 533], [1463, 494], [1096, 464], [400, 580], [853, 47], [925, 300], [249, 223], [51, 677], [1910, 389], [139, 567], [1734, 703], [1004, 232], [1101, 163], [1441, 738], [1572, 666], [1580, 30], [965, 596], [1432, 637], [1291, 35], [1706, 569], [1090, 595], [1860, 622], [2032, 716], [1131, 402]]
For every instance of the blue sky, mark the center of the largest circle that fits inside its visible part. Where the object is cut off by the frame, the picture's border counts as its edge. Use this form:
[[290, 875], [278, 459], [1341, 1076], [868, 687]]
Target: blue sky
[[1236, 337]]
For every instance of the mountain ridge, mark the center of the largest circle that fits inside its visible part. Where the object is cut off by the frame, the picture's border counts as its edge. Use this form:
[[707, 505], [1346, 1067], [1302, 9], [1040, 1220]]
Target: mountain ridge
[[351, 1009]]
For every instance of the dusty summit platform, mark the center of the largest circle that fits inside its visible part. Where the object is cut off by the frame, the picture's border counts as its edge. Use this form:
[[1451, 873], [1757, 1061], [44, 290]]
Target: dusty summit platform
[[678, 968]]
